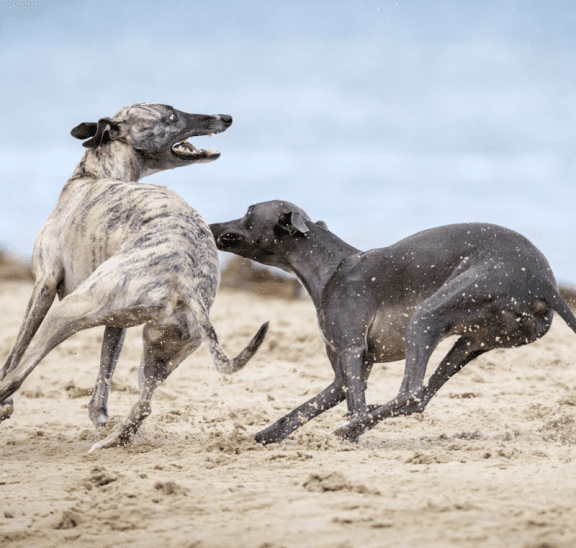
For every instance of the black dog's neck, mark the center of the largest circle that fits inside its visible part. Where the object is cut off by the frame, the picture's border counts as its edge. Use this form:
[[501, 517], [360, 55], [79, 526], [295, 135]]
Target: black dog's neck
[[317, 255]]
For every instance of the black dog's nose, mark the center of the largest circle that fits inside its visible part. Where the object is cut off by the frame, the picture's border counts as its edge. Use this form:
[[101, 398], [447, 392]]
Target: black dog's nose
[[227, 119]]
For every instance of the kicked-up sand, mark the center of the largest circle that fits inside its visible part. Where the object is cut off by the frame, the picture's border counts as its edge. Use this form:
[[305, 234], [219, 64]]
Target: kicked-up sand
[[491, 462]]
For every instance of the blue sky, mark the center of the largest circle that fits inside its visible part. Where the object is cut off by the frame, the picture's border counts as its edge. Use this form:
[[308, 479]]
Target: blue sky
[[381, 118]]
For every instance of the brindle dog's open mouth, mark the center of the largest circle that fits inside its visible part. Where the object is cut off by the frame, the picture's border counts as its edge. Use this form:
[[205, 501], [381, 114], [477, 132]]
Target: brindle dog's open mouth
[[187, 151]]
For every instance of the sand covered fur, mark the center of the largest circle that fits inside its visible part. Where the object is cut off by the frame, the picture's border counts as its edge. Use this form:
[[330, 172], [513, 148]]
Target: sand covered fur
[[491, 462]]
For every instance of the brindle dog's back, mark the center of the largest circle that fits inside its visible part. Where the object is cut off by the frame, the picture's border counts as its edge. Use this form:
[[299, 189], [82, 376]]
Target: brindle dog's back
[[151, 223]]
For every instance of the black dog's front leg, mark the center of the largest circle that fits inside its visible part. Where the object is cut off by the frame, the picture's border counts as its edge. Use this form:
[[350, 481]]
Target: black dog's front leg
[[328, 398], [405, 403], [352, 367], [351, 372]]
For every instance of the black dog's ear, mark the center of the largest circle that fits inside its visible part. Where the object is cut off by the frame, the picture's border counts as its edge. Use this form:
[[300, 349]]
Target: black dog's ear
[[105, 130], [84, 130], [322, 224], [291, 223]]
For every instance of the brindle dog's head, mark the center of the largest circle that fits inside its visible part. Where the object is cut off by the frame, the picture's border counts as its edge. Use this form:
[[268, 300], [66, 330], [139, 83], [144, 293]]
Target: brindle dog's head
[[158, 133], [267, 232]]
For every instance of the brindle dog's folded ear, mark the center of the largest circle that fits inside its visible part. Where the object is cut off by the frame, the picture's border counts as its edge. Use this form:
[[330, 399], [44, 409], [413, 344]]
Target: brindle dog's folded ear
[[105, 130], [84, 130]]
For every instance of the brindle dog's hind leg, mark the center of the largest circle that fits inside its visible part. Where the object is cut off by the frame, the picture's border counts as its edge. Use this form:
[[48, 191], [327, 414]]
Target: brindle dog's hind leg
[[111, 347], [164, 350], [42, 298], [75, 312]]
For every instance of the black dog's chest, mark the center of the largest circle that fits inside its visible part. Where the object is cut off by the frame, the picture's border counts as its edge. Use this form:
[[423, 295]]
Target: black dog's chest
[[386, 334], [382, 326]]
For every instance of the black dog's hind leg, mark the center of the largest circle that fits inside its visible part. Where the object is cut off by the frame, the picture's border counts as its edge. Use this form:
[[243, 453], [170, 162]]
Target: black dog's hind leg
[[460, 355]]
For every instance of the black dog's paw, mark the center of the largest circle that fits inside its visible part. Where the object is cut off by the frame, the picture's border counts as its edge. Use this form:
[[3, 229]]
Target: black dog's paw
[[369, 408], [265, 437], [350, 431]]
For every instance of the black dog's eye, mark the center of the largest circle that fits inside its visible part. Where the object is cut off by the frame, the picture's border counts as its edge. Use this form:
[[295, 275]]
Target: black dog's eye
[[230, 238], [173, 117]]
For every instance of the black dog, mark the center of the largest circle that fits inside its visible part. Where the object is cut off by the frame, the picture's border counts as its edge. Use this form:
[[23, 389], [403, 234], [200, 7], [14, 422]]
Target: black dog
[[483, 282]]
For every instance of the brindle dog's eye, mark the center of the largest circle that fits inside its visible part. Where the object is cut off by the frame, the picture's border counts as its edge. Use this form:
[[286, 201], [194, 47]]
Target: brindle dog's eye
[[173, 117]]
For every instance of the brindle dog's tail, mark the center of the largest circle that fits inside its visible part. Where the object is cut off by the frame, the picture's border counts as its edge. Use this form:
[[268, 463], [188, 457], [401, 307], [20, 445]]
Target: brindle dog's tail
[[222, 362]]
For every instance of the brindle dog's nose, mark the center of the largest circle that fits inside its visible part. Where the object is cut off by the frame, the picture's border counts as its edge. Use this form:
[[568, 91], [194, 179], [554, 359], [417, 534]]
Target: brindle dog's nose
[[226, 118]]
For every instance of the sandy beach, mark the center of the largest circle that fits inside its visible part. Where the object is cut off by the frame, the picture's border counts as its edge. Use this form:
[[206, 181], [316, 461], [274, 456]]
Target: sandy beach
[[491, 463]]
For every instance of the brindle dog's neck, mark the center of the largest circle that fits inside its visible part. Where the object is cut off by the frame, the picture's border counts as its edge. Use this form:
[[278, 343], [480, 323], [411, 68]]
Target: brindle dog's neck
[[114, 160], [319, 254]]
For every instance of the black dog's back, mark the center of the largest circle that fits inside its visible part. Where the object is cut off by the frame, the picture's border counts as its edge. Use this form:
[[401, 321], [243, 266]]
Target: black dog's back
[[417, 266]]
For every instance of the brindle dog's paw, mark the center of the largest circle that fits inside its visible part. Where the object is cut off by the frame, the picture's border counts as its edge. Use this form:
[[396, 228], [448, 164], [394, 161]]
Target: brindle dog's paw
[[6, 409], [118, 437]]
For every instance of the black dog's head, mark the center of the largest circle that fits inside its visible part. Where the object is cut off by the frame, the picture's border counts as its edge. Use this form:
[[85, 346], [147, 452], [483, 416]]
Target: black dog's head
[[158, 133], [266, 233]]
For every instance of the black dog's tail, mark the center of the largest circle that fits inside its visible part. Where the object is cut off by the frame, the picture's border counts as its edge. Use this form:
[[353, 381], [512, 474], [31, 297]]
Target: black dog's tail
[[555, 300]]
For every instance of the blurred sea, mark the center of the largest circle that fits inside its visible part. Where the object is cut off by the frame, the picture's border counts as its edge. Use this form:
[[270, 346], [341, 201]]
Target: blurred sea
[[368, 197]]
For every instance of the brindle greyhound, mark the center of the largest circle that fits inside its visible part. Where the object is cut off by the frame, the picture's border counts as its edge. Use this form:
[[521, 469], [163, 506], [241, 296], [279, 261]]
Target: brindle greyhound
[[483, 282], [120, 253]]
